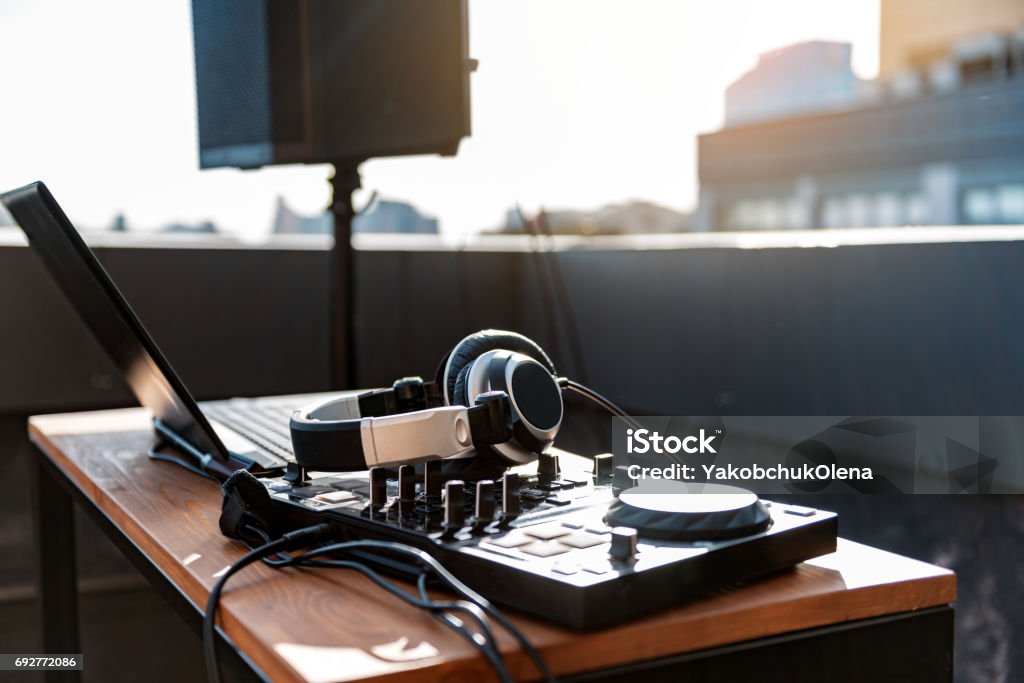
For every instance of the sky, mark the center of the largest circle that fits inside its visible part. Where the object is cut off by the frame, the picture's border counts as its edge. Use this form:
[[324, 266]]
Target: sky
[[575, 104]]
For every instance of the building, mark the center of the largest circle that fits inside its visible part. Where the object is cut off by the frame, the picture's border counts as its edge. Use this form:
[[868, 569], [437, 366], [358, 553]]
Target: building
[[937, 140], [382, 215], [798, 79], [201, 228], [915, 34], [637, 217], [385, 215]]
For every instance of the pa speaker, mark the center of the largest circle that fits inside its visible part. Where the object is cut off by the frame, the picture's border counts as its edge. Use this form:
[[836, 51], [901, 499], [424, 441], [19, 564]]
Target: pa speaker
[[325, 81]]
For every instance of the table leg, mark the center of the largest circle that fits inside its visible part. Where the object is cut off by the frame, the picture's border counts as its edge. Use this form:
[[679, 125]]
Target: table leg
[[56, 574]]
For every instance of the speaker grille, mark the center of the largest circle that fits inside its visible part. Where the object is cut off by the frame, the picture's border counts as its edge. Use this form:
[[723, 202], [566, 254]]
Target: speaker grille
[[232, 72], [286, 81], [288, 69]]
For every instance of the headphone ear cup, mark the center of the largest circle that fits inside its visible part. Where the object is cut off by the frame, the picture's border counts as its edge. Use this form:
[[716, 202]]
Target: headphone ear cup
[[459, 397], [441, 367], [473, 346]]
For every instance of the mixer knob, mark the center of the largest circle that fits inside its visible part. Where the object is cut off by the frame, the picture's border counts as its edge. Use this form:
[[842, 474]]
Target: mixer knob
[[432, 481], [623, 546], [603, 469], [378, 487], [509, 497], [485, 504], [406, 484], [454, 505], [547, 467]]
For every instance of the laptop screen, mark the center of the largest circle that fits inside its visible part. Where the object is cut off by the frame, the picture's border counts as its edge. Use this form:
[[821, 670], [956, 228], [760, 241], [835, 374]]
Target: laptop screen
[[104, 310]]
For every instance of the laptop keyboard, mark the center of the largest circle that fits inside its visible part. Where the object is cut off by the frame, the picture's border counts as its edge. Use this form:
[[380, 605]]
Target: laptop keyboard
[[264, 421]]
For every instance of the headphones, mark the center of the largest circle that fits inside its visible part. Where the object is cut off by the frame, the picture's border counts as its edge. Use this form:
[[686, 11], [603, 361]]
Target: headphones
[[496, 393]]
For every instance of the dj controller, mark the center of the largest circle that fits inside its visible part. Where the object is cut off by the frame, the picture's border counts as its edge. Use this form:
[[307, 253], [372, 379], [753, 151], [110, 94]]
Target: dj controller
[[561, 542]]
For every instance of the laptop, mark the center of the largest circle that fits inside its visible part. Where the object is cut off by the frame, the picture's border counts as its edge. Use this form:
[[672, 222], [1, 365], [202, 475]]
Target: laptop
[[220, 436]]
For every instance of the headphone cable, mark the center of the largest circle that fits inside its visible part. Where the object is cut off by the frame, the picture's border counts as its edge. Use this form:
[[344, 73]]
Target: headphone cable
[[544, 282], [600, 400], [605, 403], [563, 302]]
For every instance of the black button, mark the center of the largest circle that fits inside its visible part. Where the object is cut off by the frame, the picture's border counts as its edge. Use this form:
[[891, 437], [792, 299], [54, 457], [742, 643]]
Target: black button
[[309, 491]]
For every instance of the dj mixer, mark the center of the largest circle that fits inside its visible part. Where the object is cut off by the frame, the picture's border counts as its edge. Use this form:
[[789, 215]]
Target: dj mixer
[[562, 542]]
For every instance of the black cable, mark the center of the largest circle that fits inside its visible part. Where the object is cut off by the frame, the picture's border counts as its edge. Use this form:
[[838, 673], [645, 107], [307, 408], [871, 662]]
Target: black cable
[[488, 650], [475, 605], [283, 560], [456, 585], [367, 205], [463, 283], [487, 645], [547, 298], [291, 539], [564, 302], [153, 455]]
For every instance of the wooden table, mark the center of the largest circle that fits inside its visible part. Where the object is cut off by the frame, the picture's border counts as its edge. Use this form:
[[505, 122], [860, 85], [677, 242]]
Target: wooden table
[[858, 614]]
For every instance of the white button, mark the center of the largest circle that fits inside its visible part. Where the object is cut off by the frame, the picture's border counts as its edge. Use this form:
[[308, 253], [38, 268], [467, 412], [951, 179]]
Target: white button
[[337, 496]]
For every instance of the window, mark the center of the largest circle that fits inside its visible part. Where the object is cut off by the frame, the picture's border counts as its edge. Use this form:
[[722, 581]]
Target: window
[[993, 205]]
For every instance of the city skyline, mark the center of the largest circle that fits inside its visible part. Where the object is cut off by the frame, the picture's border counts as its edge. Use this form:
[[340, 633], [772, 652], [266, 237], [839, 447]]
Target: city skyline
[[575, 105]]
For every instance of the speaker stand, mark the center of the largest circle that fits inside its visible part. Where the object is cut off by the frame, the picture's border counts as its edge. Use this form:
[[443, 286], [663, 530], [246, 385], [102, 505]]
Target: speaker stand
[[344, 181]]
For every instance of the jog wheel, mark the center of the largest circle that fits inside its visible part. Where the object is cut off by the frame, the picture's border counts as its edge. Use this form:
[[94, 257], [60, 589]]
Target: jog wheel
[[689, 512]]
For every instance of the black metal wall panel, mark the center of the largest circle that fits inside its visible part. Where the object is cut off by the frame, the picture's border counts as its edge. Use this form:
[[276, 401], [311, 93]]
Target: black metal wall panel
[[233, 322]]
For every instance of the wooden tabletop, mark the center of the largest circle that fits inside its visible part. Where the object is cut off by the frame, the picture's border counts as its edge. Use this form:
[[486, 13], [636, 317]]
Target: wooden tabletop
[[325, 626]]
